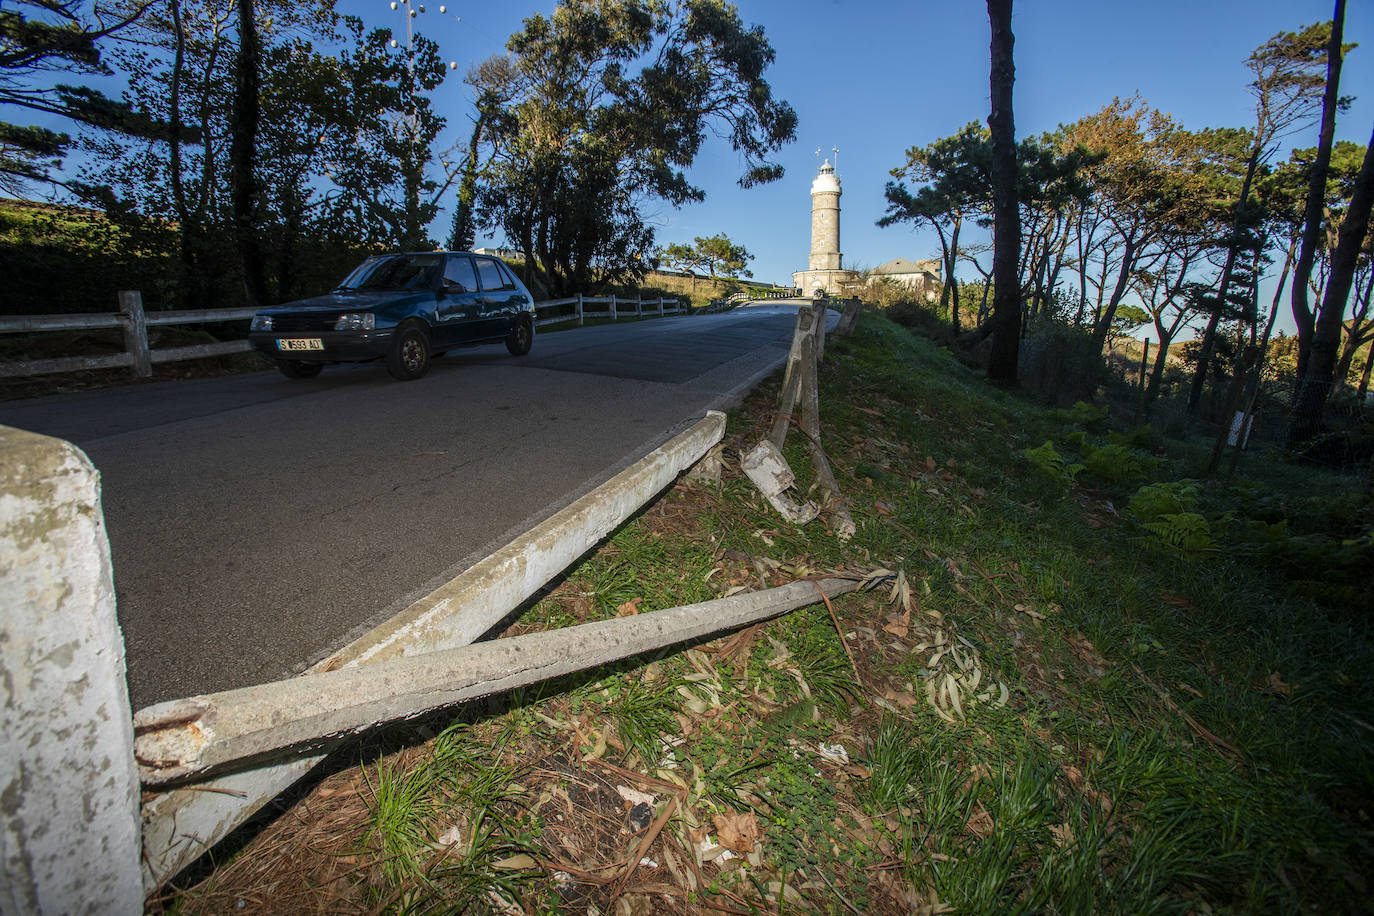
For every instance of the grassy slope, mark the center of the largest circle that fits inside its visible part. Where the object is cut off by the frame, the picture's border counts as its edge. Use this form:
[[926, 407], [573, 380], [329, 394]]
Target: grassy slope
[[1179, 735]]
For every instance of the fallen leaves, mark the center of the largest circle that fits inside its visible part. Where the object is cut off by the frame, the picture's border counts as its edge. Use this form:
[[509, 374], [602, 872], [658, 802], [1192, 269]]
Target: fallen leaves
[[737, 831]]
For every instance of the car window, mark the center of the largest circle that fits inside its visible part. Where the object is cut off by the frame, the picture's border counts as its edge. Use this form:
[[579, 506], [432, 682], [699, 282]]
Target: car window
[[459, 271], [493, 277], [394, 271]]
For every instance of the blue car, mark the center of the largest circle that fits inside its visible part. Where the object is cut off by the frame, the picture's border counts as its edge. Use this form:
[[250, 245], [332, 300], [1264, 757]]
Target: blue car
[[403, 309]]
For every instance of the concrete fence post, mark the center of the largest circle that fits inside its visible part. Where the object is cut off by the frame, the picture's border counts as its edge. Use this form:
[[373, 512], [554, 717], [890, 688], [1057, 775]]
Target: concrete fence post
[[613, 306], [639, 306], [136, 332], [579, 308], [69, 793]]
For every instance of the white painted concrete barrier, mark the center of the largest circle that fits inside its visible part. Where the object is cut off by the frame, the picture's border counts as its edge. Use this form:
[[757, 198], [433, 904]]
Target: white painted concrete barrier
[[68, 785], [181, 824]]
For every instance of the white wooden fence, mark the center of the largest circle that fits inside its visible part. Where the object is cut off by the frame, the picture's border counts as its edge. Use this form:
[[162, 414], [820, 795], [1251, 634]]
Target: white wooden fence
[[140, 358]]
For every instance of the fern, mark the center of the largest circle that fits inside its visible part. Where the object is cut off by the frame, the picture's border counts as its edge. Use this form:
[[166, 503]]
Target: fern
[[1052, 464], [1184, 531], [1154, 501], [1116, 463]]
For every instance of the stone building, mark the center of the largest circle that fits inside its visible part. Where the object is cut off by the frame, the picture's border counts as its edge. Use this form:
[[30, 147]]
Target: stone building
[[921, 277]]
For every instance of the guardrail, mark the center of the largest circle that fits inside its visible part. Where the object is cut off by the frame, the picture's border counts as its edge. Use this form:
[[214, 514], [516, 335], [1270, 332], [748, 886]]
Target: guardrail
[[140, 357]]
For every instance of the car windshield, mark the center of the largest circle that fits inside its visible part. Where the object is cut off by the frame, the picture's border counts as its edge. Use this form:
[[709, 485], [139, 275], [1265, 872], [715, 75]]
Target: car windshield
[[394, 271]]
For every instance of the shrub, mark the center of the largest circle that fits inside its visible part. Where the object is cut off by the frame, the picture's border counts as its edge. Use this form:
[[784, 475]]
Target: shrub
[[1059, 362]]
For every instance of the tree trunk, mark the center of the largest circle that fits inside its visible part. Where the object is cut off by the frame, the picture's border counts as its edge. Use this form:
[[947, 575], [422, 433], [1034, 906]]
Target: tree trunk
[[1123, 282], [1209, 337], [950, 283], [1006, 232], [1364, 379], [1316, 191], [1316, 381], [1356, 338], [1257, 376], [243, 154]]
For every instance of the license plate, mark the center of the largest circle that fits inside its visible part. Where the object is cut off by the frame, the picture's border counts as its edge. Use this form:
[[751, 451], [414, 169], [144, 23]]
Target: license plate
[[300, 343]]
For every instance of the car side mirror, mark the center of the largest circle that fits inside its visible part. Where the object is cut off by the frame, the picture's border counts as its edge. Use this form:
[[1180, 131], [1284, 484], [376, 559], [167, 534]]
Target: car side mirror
[[453, 286]]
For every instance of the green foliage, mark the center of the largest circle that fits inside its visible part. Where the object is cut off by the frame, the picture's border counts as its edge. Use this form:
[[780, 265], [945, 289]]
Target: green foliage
[[638, 87], [1154, 501], [1051, 464], [1086, 416], [1116, 463], [1185, 531], [898, 762]]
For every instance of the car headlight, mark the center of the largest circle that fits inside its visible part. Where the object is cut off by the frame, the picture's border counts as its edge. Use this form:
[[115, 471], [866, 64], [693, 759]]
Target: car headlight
[[262, 323], [356, 321]]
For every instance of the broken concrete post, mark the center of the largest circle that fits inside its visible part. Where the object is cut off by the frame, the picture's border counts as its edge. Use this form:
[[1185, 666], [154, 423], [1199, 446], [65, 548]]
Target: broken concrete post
[[69, 831], [848, 318], [819, 333], [765, 466], [825, 477], [797, 358], [182, 738], [180, 825]]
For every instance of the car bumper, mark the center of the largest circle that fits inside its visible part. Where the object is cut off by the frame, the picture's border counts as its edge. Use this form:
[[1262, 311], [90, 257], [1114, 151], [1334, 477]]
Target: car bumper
[[335, 346]]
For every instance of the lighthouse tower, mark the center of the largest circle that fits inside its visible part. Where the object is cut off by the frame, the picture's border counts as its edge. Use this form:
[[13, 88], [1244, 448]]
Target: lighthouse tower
[[825, 219], [824, 273]]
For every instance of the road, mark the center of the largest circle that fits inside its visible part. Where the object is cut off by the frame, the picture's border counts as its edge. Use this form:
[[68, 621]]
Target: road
[[257, 523]]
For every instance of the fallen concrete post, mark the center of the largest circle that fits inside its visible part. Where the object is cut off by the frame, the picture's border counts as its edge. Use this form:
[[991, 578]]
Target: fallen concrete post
[[183, 738], [180, 825], [769, 471], [68, 787]]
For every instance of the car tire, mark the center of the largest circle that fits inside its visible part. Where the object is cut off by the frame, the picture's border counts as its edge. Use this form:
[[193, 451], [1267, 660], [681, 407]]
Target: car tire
[[294, 368], [408, 358], [521, 336]]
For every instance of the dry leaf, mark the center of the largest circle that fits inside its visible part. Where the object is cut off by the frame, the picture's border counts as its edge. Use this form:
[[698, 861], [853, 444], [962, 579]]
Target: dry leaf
[[898, 624], [1277, 685], [980, 823], [635, 797], [737, 832], [902, 698]]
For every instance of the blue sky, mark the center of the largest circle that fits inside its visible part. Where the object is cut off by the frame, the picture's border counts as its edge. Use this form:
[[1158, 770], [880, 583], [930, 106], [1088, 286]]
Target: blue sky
[[874, 78]]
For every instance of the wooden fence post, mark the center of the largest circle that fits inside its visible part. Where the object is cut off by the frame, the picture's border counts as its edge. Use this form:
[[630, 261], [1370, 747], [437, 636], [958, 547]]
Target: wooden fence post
[[579, 309], [639, 306], [613, 306], [136, 332]]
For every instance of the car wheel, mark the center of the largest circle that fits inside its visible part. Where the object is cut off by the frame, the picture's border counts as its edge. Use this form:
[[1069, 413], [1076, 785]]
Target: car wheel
[[294, 368], [521, 336], [409, 355]]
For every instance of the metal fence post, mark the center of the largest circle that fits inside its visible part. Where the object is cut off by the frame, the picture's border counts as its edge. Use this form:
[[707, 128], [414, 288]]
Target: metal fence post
[[579, 308], [136, 332]]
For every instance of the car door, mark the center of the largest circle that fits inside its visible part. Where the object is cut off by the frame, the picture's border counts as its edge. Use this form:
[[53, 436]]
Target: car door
[[458, 311], [500, 297]]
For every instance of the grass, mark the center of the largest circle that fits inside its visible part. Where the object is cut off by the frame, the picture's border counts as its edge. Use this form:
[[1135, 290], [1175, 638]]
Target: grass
[[1183, 728]]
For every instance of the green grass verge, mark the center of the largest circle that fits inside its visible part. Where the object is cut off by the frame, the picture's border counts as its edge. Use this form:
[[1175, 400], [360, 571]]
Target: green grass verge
[[1184, 726]]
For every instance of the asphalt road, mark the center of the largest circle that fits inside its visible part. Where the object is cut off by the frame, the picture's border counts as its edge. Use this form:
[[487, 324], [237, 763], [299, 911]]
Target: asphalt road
[[257, 523]]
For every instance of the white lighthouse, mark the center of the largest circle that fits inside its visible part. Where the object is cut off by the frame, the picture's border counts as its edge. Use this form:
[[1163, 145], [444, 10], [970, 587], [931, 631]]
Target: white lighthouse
[[825, 272]]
